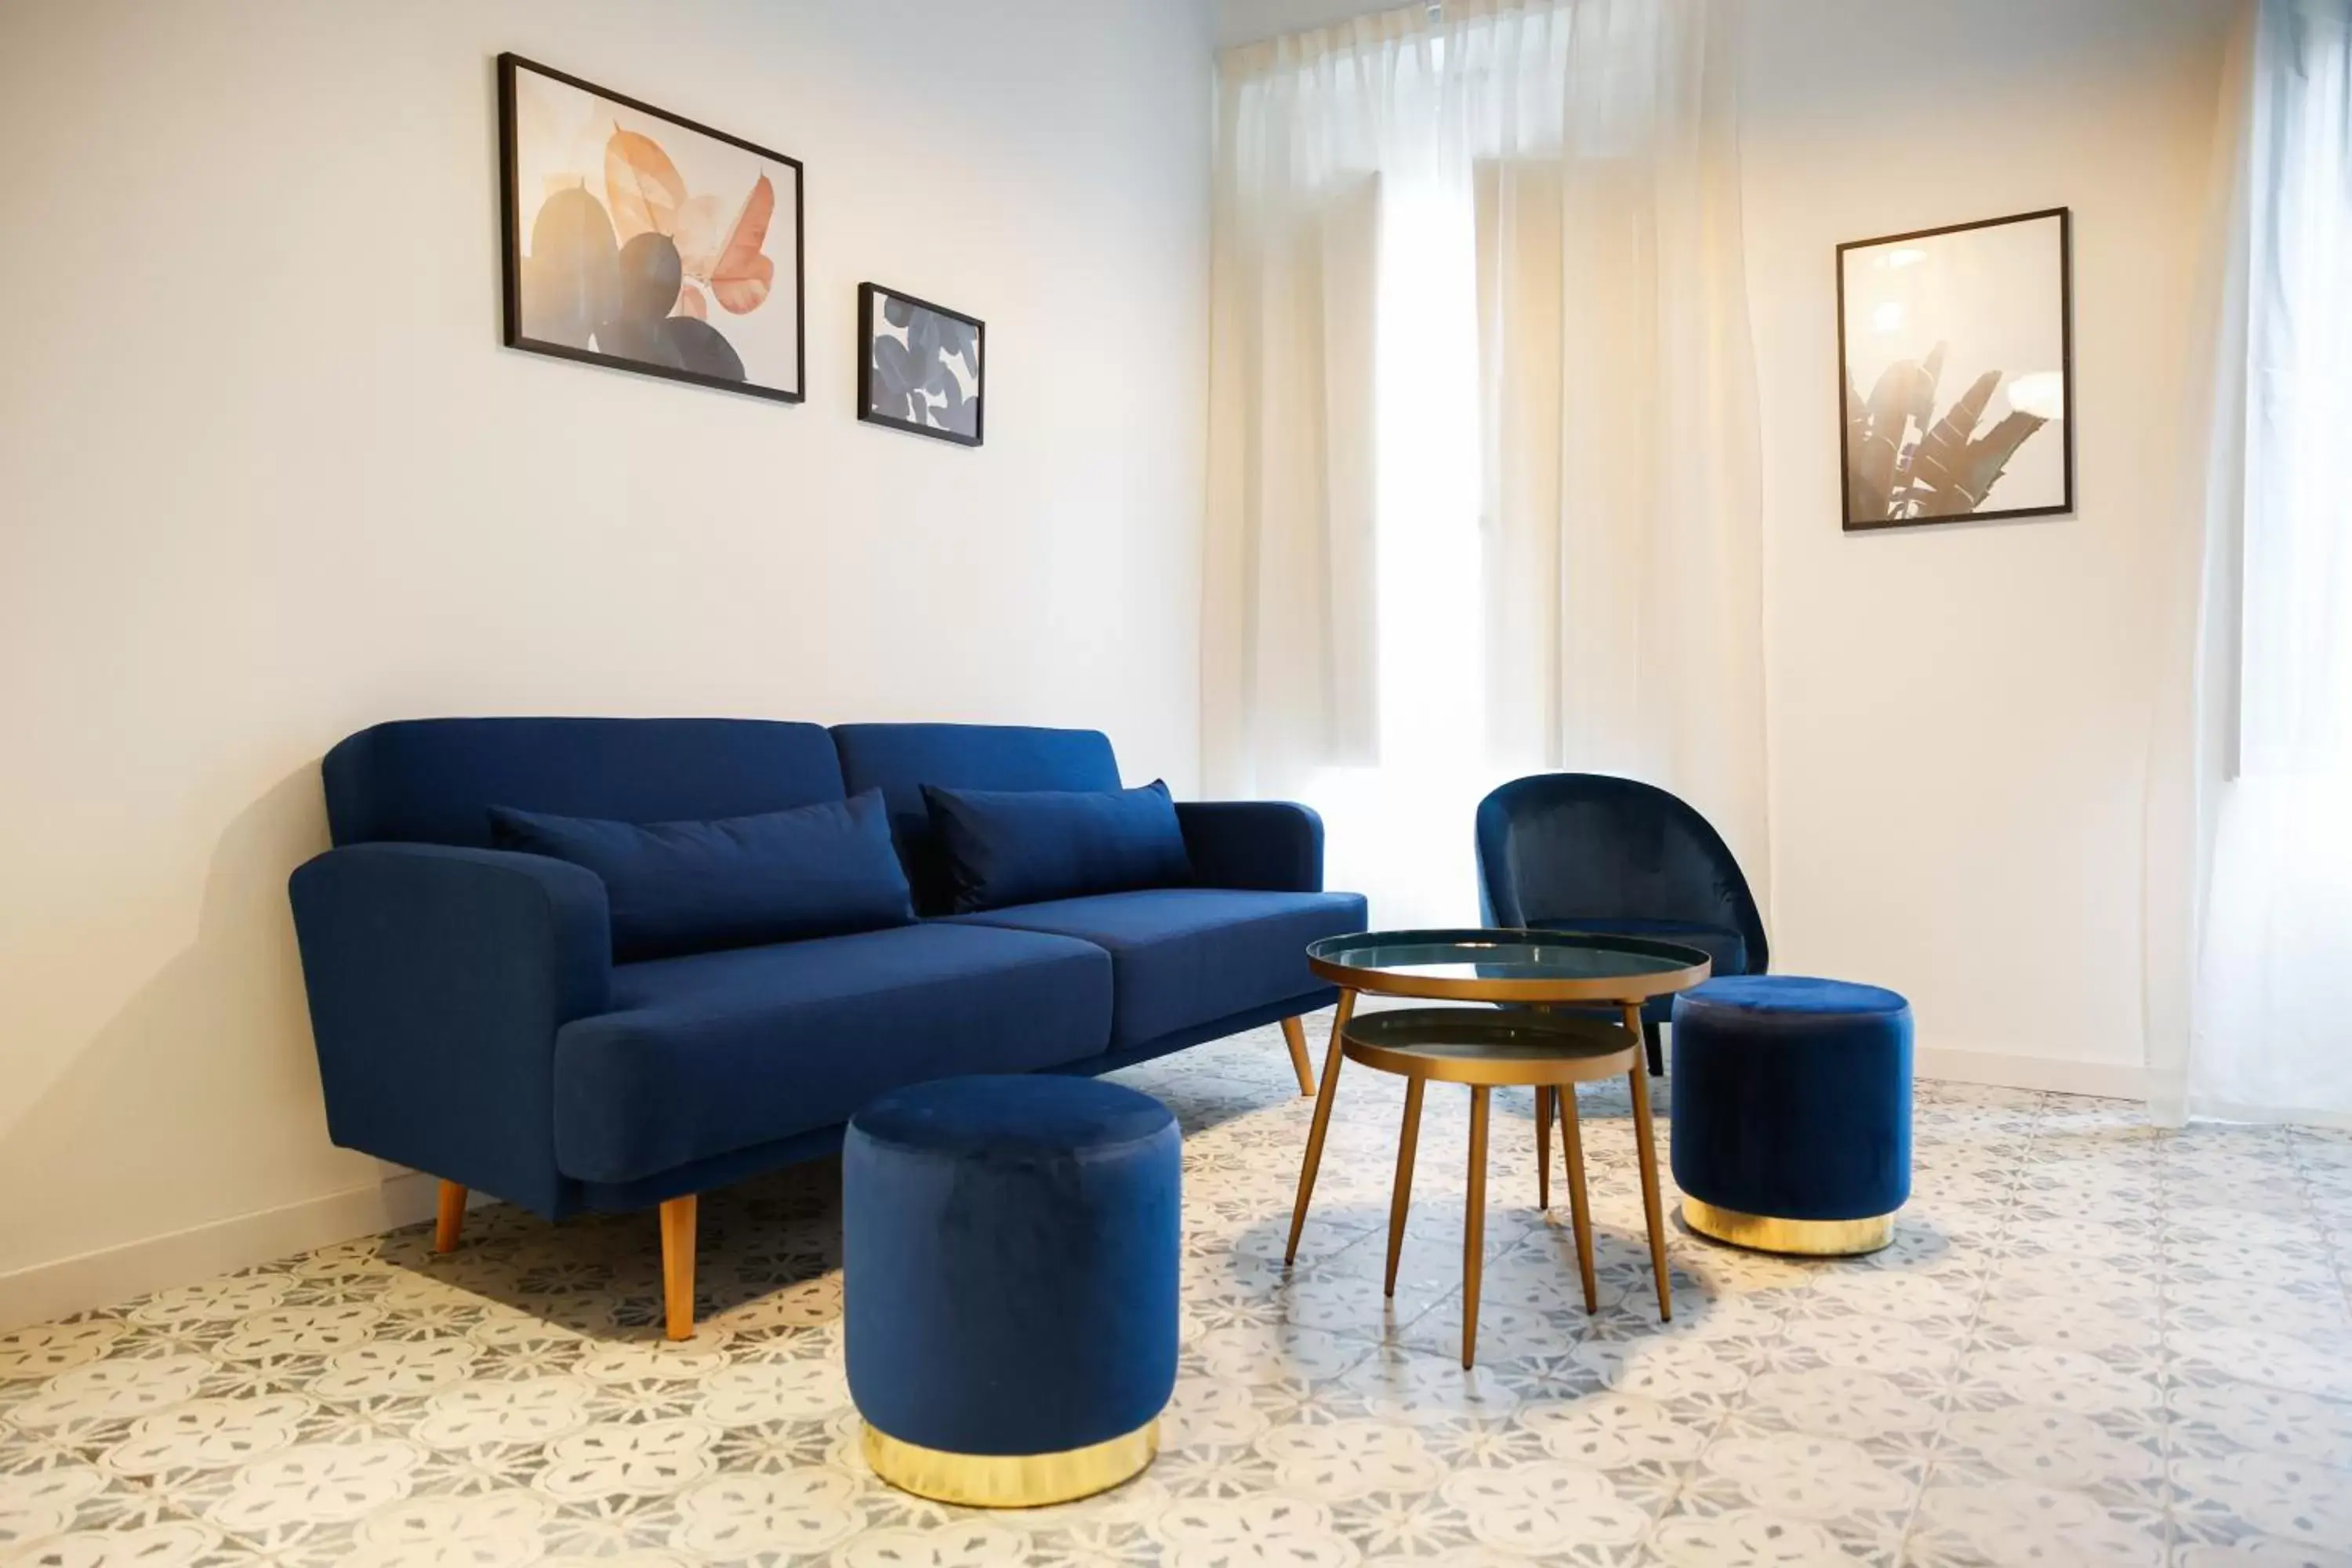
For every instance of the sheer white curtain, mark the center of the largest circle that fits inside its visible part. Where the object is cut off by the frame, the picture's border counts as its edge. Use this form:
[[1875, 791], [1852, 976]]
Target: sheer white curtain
[[2265, 828], [1482, 461], [1289, 656], [1623, 598]]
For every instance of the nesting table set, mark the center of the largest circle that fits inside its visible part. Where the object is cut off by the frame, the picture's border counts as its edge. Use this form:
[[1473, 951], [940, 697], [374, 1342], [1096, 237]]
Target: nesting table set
[[1554, 1032], [1009, 1245]]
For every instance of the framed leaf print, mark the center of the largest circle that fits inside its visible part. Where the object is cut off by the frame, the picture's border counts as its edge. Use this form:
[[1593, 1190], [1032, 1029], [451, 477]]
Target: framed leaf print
[[636, 239], [919, 365], [1956, 354]]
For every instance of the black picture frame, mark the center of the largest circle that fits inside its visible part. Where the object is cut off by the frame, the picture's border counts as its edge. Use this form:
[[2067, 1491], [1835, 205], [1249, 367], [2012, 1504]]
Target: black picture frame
[[867, 293], [511, 248], [1848, 521]]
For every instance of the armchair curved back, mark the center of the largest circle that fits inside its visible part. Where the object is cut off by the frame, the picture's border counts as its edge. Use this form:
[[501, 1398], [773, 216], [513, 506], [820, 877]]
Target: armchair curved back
[[1558, 848]]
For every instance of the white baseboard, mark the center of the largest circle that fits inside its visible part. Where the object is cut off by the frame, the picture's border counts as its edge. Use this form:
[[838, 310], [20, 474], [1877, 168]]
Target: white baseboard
[[2108, 1080], [47, 1291]]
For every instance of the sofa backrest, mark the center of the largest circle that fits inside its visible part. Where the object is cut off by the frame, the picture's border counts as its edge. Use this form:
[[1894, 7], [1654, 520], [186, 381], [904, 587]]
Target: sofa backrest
[[433, 781], [900, 759]]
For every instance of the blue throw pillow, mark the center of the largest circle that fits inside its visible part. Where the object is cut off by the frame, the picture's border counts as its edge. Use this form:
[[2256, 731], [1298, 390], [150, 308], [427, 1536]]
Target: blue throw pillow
[[693, 886], [1024, 847]]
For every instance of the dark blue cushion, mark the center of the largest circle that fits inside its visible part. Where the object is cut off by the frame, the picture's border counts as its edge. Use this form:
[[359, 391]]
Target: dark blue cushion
[[1186, 956], [1793, 1097], [900, 759], [1797, 1004], [1009, 1260], [694, 887], [1023, 846], [433, 781], [719, 1051], [1012, 1122]]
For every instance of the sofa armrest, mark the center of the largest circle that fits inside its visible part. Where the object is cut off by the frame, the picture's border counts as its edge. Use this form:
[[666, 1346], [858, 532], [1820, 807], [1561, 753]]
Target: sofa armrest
[[1270, 846], [437, 978]]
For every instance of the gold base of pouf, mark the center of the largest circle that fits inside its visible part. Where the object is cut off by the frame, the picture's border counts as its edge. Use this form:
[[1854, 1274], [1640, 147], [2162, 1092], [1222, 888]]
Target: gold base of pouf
[[1012, 1480], [1810, 1237]]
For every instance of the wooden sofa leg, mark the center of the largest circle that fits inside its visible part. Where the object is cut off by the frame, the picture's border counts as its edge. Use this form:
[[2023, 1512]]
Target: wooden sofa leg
[[449, 1217], [1293, 1035], [677, 1265], [1651, 1033]]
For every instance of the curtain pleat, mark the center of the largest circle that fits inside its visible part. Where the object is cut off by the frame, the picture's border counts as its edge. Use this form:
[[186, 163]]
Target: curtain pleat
[[1623, 562], [1589, 151]]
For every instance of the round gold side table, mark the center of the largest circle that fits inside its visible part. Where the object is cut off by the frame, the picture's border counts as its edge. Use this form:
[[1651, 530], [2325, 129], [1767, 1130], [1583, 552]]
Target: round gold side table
[[1552, 1052]]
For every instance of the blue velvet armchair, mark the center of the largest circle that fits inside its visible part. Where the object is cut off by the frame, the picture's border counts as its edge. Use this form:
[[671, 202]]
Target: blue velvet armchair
[[1593, 852]]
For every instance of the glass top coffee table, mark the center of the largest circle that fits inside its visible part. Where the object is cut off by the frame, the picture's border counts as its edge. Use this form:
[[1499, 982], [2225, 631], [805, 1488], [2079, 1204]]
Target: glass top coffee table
[[1521, 1044]]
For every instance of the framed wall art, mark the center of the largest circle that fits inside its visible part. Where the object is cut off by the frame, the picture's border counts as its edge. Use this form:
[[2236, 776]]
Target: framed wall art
[[919, 365], [637, 239], [1956, 372]]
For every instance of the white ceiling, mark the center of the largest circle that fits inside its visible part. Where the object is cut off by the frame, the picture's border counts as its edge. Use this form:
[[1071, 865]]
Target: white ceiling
[[1247, 21]]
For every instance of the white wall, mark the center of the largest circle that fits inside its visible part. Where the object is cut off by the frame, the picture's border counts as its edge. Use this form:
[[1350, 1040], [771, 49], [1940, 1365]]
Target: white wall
[[266, 477], [1958, 716]]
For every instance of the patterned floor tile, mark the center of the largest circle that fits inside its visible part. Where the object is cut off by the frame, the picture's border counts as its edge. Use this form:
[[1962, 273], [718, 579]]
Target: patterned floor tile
[[2092, 1341]]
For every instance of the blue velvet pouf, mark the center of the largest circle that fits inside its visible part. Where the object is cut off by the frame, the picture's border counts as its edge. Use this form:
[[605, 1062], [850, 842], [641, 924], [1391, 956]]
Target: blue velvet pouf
[[1009, 1261], [1791, 1113]]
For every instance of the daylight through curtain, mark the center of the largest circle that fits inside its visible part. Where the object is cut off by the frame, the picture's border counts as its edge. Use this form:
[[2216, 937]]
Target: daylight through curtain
[[1482, 458]]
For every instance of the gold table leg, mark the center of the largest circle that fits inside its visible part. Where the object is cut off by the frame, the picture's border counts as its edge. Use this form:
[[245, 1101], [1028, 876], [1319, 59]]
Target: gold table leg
[[1323, 1098], [1473, 1225], [1580, 1207], [1408, 1141], [1645, 1146], [1543, 1145]]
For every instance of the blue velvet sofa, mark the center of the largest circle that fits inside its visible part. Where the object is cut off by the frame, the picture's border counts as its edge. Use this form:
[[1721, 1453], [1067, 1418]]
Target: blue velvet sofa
[[472, 1022]]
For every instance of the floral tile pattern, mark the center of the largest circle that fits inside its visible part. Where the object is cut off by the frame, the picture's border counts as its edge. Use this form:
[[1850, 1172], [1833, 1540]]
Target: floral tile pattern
[[2093, 1342]]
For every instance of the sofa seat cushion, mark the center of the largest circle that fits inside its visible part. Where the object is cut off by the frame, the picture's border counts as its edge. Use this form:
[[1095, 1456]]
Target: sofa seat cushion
[[1186, 956], [1725, 946], [717, 1051]]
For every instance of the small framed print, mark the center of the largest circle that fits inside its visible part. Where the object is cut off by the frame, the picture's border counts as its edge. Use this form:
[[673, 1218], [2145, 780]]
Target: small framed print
[[920, 365], [636, 239], [1956, 363]]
